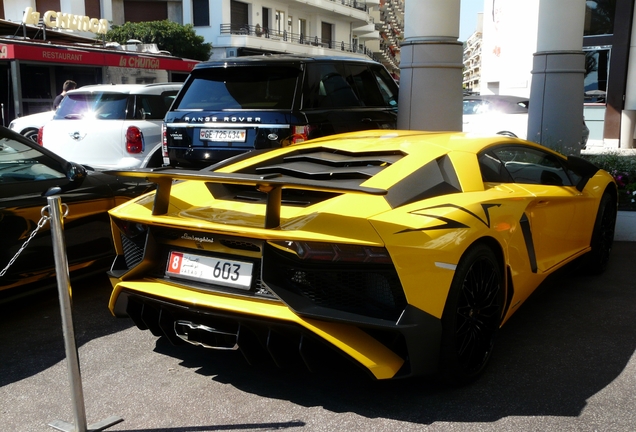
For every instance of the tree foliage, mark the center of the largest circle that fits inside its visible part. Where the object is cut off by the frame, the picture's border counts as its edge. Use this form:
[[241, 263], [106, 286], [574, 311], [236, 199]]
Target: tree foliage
[[180, 40]]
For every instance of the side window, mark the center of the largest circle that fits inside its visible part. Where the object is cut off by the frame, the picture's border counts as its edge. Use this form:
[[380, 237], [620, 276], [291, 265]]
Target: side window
[[493, 169], [151, 107], [326, 87], [388, 86], [365, 85], [169, 97], [472, 106], [532, 166]]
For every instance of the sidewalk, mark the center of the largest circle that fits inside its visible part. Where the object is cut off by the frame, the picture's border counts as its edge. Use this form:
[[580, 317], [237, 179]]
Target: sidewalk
[[625, 226]]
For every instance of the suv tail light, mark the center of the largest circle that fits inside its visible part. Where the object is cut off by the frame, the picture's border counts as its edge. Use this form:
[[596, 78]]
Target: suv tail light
[[134, 140], [164, 144], [302, 133], [40, 133]]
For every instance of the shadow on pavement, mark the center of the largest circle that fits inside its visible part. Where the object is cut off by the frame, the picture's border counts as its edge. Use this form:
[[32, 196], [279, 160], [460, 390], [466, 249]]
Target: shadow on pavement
[[568, 342], [32, 327], [571, 339]]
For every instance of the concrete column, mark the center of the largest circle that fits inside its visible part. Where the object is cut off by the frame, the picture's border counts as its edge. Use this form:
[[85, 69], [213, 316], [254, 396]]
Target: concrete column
[[628, 125], [556, 96], [628, 115], [431, 67]]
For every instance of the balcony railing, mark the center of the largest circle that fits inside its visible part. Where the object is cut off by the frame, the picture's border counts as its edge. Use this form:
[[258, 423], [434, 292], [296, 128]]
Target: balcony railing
[[294, 38], [352, 3]]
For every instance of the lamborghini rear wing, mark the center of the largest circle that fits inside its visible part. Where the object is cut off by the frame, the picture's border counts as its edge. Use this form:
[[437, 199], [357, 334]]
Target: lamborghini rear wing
[[270, 184]]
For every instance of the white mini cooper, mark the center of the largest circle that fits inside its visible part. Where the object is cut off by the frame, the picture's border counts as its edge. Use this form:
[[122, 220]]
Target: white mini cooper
[[111, 126]]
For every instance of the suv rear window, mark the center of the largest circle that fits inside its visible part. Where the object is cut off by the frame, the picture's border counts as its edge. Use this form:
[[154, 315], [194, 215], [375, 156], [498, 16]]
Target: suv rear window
[[102, 106], [262, 87]]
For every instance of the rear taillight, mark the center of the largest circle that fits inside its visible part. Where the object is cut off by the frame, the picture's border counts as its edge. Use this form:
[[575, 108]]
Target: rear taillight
[[40, 133], [130, 229], [134, 140], [164, 144], [303, 133], [300, 134], [318, 251]]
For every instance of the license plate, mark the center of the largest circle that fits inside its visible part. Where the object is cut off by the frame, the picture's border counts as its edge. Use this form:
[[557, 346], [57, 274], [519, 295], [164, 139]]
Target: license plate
[[226, 135], [220, 271]]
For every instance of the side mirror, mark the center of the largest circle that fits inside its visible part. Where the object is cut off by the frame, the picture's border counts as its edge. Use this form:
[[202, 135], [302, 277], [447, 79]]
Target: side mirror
[[76, 173]]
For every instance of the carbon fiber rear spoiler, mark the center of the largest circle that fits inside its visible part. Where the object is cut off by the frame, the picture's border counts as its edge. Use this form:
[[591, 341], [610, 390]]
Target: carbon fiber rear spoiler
[[271, 184]]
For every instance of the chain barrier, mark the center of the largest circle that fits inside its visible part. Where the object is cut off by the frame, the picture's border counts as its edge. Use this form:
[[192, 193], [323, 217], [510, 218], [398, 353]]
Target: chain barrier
[[44, 212]]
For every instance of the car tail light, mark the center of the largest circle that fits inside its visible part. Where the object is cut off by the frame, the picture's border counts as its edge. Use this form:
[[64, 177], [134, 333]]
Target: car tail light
[[316, 251], [40, 133], [299, 135], [164, 141], [302, 133], [134, 140], [130, 229]]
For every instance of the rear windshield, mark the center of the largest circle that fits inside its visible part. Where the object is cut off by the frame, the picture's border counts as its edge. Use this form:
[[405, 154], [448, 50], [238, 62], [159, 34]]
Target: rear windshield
[[239, 88], [103, 106]]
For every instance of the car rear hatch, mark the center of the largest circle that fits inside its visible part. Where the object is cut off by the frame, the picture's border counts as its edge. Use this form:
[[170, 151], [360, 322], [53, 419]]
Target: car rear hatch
[[88, 128], [225, 111]]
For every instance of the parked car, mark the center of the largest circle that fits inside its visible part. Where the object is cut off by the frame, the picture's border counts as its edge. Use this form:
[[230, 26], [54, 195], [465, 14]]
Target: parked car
[[30, 173], [111, 126], [29, 125], [502, 114], [235, 105], [403, 251]]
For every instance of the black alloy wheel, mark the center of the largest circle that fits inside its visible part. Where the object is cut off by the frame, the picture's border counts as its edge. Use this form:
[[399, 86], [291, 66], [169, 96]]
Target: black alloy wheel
[[472, 315]]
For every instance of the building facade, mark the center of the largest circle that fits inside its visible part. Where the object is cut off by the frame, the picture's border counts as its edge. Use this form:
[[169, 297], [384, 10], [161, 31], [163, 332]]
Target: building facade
[[359, 28], [509, 42], [472, 59]]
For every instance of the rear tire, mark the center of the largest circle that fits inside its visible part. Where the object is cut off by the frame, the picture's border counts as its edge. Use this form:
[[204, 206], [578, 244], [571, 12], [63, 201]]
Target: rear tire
[[602, 236], [31, 134], [156, 160], [472, 315]]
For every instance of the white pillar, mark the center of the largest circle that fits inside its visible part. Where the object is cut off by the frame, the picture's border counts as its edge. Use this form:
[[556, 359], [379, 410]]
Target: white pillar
[[187, 12], [628, 116], [106, 10], [431, 67], [556, 95]]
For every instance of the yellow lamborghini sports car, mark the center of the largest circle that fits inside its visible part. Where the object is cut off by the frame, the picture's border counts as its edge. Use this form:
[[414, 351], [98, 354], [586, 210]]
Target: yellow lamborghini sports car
[[403, 251]]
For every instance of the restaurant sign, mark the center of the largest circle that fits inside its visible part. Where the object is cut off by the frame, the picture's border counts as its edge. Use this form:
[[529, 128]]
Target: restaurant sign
[[59, 20], [77, 56]]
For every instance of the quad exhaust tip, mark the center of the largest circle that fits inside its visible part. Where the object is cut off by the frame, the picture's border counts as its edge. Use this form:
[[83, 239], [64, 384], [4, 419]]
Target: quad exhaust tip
[[206, 336]]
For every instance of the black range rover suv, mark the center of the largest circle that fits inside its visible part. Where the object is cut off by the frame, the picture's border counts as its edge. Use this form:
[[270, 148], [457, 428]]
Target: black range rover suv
[[231, 106]]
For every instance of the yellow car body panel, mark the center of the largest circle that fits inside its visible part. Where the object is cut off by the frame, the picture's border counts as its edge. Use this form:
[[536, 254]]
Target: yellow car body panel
[[395, 212], [380, 361]]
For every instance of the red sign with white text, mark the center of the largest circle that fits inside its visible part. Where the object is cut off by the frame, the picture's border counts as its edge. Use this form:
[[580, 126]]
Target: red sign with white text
[[85, 57]]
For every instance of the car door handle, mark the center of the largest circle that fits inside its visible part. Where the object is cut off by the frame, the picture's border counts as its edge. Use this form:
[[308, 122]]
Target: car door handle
[[367, 120]]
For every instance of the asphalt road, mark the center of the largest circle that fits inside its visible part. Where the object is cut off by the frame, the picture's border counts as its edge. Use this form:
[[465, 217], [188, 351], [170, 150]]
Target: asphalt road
[[566, 361]]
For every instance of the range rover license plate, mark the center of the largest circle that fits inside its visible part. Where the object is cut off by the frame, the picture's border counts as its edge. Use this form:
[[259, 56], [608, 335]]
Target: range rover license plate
[[225, 135], [220, 271]]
